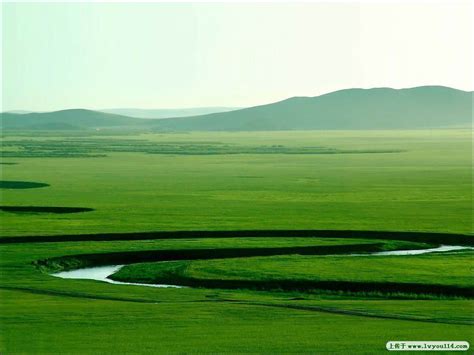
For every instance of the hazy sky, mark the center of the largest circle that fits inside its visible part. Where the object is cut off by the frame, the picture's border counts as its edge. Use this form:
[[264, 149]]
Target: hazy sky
[[160, 55]]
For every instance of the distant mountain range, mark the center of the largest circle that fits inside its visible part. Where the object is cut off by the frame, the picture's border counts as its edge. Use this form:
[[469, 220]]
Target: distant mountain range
[[166, 113], [75, 119], [153, 113], [20, 112], [379, 108]]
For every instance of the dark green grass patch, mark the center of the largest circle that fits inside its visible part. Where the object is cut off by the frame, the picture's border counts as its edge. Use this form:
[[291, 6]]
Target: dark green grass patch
[[42, 209], [90, 147], [4, 184], [391, 240], [88, 260]]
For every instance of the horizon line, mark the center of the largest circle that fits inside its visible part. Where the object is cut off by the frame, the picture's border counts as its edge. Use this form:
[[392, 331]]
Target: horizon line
[[27, 111]]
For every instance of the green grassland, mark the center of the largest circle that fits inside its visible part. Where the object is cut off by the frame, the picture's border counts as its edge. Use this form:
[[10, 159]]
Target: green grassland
[[431, 269], [80, 325], [418, 181], [129, 192], [45, 314]]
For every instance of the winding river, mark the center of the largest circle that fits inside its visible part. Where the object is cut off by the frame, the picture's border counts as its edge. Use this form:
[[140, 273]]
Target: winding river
[[102, 273], [441, 248]]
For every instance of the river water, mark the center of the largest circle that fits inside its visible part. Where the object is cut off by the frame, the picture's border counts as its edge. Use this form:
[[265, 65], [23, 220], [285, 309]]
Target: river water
[[102, 273], [421, 251]]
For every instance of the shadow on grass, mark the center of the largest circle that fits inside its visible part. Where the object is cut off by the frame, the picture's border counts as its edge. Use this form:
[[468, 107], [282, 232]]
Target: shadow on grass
[[47, 209], [5, 184], [422, 237], [374, 288], [70, 262]]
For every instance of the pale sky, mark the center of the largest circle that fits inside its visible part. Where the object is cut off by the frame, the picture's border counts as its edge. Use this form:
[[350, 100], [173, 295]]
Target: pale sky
[[176, 55]]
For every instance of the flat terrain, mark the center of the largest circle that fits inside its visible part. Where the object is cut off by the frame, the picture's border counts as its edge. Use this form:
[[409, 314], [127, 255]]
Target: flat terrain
[[423, 269], [427, 187], [406, 181]]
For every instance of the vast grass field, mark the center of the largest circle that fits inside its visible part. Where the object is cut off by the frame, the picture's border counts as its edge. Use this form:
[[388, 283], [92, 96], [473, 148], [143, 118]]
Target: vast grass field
[[427, 187], [259, 207]]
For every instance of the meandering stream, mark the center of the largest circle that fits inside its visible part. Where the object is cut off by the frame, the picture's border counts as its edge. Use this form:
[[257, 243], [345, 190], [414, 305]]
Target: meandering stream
[[102, 273], [441, 248]]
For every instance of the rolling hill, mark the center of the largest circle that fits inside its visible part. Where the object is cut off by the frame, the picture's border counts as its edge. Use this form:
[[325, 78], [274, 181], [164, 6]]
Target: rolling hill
[[379, 108], [75, 119], [166, 113]]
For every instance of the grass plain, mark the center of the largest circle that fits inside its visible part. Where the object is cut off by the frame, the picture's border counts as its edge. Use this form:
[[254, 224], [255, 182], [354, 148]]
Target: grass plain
[[427, 187], [422, 269], [409, 181]]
